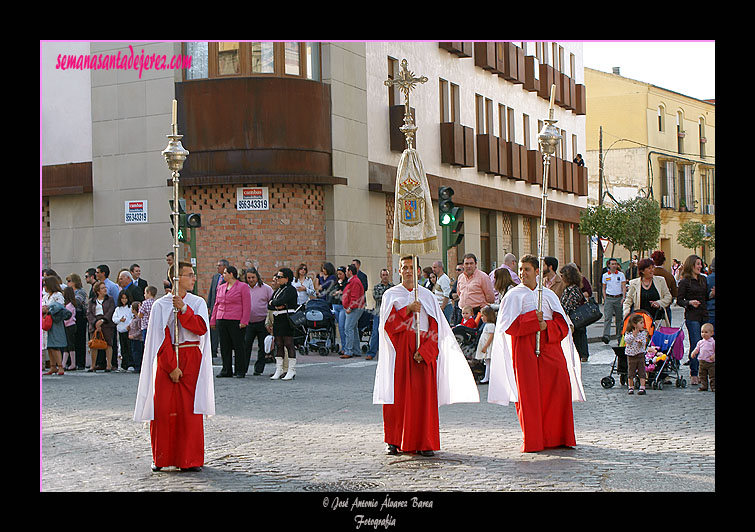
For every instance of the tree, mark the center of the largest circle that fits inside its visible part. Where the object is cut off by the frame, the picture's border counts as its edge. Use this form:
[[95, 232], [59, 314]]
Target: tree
[[604, 222], [642, 224], [693, 234]]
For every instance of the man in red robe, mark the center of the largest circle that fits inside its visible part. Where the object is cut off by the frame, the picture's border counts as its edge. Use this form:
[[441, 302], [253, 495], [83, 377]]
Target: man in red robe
[[542, 386], [174, 394], [412, 383]]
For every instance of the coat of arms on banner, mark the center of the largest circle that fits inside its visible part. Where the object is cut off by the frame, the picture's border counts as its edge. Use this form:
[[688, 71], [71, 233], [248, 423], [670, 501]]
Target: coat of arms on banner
[[412, 201]]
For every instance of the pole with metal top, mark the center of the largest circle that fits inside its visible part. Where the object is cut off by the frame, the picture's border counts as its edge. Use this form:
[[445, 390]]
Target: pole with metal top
[[548, 139], [406, 82], [175, 155]]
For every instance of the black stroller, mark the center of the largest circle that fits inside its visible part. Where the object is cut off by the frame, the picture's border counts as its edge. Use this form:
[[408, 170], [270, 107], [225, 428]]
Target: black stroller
[[364, 326], [320, 327], [468, 338], [299, 327]]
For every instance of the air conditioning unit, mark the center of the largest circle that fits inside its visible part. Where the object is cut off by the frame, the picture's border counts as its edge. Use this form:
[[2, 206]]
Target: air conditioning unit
[[667, 202]]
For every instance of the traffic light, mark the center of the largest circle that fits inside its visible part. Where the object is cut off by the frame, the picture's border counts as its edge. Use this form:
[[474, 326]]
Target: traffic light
[[194, 219], [181, 220], [446, 209], [456, 234]]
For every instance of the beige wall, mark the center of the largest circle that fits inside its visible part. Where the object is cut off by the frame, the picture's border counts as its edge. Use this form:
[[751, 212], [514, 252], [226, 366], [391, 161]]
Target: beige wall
[[628, 109]]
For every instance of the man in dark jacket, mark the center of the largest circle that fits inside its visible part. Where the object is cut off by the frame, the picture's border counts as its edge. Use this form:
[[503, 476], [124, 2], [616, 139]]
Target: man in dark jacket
[[217, 280]]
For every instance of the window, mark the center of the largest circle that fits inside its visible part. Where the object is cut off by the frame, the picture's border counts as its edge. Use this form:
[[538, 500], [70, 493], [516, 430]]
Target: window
[[572, 66], [701, 136], [708, 189], [263, 58], [680, 132], [312, 59], [484, 115], [661, 118], [510, 126], [526, 126], [237, 59], [449, 102], [686, 188], [228, 59], [668, 184], [574, 149], [556, 65], [199, 60]]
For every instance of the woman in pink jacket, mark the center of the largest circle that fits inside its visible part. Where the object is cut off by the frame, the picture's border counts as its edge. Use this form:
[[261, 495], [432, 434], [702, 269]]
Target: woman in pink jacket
[[233, 305]]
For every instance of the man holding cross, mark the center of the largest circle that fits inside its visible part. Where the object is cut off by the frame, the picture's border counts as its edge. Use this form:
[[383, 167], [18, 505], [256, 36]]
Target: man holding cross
[[412, 383]]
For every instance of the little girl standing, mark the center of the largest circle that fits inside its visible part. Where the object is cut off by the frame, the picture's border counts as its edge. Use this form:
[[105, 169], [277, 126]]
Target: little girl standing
[[636, 339], [486, 341]]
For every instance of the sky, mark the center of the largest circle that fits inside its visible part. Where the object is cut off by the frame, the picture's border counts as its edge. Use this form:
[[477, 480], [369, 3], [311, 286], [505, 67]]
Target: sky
[[685, 67]]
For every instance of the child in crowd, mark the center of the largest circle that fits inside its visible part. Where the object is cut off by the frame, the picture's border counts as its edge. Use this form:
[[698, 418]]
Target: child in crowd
[[705, 351], [486, 341], [467, 319], [122, 318], [144, 309], [135, 338], [636, 339]]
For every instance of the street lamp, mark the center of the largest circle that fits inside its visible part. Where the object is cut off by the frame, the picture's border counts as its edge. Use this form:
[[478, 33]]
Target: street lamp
[[175, 155]]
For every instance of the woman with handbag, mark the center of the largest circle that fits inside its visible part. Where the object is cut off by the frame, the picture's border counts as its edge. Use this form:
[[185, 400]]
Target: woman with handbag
[[53, 310], [648, 292], [101, 327], [284, 303], [230, 314], [571, 299]]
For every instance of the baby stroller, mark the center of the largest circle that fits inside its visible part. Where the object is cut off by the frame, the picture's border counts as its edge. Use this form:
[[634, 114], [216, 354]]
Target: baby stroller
[[320, 326], [299, 326], [619, 365], [468, 339], [669, 344], [364, 328]]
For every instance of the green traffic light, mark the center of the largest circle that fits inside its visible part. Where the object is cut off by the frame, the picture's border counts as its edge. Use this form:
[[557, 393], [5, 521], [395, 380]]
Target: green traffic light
[[447, 219]]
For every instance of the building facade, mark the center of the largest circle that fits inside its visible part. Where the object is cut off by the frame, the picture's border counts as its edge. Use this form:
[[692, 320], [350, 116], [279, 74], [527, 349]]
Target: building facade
[[656, 143], [294, 148]]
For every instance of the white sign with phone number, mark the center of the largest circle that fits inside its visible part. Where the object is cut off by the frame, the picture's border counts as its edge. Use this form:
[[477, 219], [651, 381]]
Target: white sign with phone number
[[136, 211], [252, 199]]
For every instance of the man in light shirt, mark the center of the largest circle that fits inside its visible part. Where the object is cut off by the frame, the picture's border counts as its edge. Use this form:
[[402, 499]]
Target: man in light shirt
[[509, 262], [442, 290], [474, 286], [614, 290]]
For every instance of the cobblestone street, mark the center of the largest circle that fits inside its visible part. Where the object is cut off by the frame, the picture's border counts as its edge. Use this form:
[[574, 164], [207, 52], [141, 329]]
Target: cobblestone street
[[321, 433]]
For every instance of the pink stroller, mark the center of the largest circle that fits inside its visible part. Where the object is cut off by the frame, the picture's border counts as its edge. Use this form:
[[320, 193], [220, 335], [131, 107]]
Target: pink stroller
[[668, 341]]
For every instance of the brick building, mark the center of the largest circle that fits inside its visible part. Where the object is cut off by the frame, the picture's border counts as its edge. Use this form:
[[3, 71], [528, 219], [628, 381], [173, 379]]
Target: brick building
[[313, 126]]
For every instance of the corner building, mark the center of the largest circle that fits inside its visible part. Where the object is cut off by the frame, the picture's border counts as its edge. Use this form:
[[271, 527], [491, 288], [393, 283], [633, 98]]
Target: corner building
[[312, 129]]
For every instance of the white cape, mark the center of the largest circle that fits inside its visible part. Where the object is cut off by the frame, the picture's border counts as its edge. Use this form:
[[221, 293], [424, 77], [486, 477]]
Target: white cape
[[456, 383], [160, 316], [517, 301]]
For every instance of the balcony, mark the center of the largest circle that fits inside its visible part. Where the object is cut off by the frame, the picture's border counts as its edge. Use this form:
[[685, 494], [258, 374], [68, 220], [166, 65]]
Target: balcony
[[457, 144]]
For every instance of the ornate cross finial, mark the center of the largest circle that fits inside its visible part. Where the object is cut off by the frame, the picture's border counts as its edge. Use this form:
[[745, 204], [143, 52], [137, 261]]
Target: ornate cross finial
[[406, 82]]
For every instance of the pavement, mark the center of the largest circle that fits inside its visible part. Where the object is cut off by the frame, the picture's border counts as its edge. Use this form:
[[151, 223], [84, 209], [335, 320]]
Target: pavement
[[320, 434]]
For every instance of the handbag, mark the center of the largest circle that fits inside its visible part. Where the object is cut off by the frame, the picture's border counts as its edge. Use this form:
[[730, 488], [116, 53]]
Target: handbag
[[46, 322], [585, 314], [98, 341], [298, 318]]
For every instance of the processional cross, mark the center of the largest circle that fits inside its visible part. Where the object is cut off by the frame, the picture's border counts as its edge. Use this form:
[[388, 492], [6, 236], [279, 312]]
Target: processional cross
[[406, 83]]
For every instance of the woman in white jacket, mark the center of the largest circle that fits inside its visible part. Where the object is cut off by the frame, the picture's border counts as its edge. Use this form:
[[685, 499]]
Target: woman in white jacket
[[647, 292]]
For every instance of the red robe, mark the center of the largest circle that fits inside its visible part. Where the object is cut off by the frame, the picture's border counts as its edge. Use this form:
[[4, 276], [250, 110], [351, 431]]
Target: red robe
[[411, 422], [545, 403], [176, 432]]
